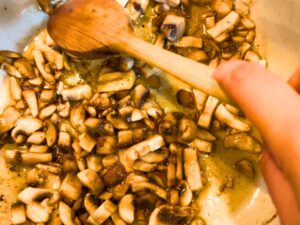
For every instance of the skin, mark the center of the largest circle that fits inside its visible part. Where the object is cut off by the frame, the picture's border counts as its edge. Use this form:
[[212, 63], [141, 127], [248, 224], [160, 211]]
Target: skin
[[273, 106]]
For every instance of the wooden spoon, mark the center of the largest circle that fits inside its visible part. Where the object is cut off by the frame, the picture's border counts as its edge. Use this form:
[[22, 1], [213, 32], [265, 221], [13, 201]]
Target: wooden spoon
[[86, 27]]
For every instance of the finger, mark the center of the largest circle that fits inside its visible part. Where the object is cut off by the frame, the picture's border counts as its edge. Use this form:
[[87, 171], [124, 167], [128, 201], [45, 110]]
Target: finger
[[272, 106], [281, 191], [294, 80]]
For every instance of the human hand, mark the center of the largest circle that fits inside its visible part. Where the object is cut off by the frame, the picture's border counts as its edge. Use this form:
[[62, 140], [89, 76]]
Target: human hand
[[273, 107]]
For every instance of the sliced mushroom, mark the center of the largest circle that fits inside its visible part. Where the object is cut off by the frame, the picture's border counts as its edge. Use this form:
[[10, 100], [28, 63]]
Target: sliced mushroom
[[47, 95], [189, 42], [133, 178], [115, 175], [173, 27], [126, 208], [120, 190], [171, 214], [223, 115], [91, 180], [198, 221], [251, 56], [185, 98], [25, 67], [64, 109], [171, 171], [137, 115], [179, 161], [187, 129], [53, 57], [90, 203], [77, 117], [222, 7], [15, 88], [242, 141], [26, 158], [206, 116], [54, 218], [116, 81], [200, 99], [40, 63], [117, 219], [156, 157], [11, 70], [186, 195], [8, 119], [37, 213], [71, 187], [153, 110], [86, 142], [38, 148], [109, 160], [139, 186], [201, 145], [51, 133], [192, 169], [64, 139], [10, 54], [94, 163], [224, 25], [117, 122], [199, 56], [31, 100], [80, 92], [136, 8], [66, 214], [205, 135], [139, 95], [106, 145], [47, 112], [174, 197], [143, 166], [102, 213], [246, 167], [30, 195], [18, 214], [105, 196]]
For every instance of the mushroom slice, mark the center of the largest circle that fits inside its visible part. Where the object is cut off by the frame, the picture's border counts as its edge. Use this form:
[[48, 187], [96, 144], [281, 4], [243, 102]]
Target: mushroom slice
[[152, 108], [37, 213], [64, 139], [186, 194], [66, 214], [223, 115], [53, 57], [246, 167], [105, 195], [109, 160], [128, 156], [137, 115], [117, 122], [247, 23], [201, 145], [242, 141], [126, 208], [36, 138], [120, 190], [106, 145], [77, 117], [91, 180], [117, 219], [94, 163], [54, 218], [133, 178], [26, 126], [40, 63], [15, 89], [31, 100], [179, 159], [171, 214], [8, 119], [29, 195], [206, 116], [47, 95], [86, 142], [139, 94], [189, 42], [38, 148], [192, 169], [11, 70], [174, 197], [10, 54], [116, 81], [185, 98], [47, 112], [200, 99], [143, 166], [18, 214], [224, 25], [156, 157], [187, 129], [71, 187], [139, 186], [25, 67], [90, 203], [252, 57], [222, 7], [51, 133], [171, 171], [80, 92], [102, 213], [26, 158], [114, 175], [199, 56], [173, 27], [136, 8], [205, 135]]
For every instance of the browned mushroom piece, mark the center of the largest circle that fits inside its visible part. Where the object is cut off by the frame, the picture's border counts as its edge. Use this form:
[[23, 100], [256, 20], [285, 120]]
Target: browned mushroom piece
[[114, 175], [91, 180], [139, 94], [185, 98], [71, 187], [15, 89], [173, 27], [187, 129], [18, 213], [154, 82], [116, 81], [242, 141], [192, 170], [66, 214], [106, 145], [8, 119], [90, 203], [126, 208], [77, 117], [86, 142], [120, 190], [25, 67], [222, 7], [245, 166]]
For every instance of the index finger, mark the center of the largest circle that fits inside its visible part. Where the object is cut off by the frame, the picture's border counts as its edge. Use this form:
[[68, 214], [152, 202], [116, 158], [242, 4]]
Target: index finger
[[272, 106]]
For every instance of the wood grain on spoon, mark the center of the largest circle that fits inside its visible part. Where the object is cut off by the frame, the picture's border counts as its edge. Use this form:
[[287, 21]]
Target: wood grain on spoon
[[87, 27]]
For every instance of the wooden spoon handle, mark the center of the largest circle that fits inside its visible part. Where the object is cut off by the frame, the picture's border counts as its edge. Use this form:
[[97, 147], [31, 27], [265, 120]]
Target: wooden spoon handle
[[196, 74]]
